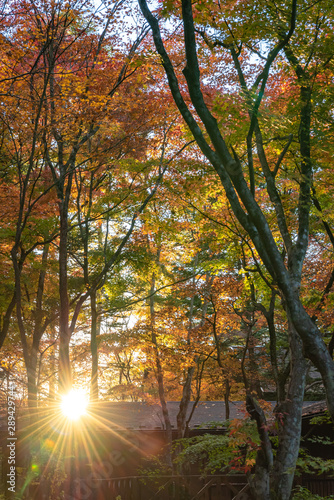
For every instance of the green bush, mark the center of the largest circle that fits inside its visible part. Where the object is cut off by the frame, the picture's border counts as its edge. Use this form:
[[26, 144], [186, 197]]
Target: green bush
[[301, 493]]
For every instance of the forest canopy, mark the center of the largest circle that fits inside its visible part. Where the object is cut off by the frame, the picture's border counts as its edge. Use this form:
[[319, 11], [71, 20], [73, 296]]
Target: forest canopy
[[166, 221]]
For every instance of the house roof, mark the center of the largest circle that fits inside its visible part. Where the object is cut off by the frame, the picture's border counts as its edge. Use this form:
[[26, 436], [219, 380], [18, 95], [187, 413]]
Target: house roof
[[314, 408], [140, 415]]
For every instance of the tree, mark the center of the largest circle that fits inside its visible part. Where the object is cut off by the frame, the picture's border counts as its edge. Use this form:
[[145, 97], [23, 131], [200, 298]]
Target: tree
[[291, 37], [72, 66]]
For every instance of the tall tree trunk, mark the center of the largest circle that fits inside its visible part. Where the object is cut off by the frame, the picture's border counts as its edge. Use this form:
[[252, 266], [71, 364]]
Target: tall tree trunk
[[65, 376], [186, 391], [260, 481], [184, 403], [273, 479], [5, 321], [289, 418], [226, 398], [32, 381], [30, 353], [94, 386], [160, 379], [52, 366], [254, 382]]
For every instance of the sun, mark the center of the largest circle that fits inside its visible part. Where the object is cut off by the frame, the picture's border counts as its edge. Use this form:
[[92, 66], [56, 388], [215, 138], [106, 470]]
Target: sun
[[74, 404]]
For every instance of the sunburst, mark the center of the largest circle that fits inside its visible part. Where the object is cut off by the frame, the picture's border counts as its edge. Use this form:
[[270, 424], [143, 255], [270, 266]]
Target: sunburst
[[74, 404]]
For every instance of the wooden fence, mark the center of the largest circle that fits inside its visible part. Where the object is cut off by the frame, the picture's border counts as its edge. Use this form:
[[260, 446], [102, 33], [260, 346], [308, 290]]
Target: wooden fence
[[321, 485], [233, 487], [173, 488]]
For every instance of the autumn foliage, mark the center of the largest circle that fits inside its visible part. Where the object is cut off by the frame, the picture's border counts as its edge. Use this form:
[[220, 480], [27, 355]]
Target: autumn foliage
[[166, 210]]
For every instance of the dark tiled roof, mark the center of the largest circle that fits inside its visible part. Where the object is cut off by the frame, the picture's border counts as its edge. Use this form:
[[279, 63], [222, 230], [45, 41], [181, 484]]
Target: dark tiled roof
[[312, 408], [136, 415], [149, 416]]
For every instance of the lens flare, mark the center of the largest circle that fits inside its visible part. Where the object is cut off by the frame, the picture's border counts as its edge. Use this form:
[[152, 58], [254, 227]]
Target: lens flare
[[74, 404]]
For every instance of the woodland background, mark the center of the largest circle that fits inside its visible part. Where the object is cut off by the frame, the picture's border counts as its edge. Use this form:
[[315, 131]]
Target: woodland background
[[127, 263]]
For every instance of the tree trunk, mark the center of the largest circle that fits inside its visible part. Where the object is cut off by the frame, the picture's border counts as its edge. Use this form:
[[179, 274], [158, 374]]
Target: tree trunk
[[5, 321], [313, 347], [184, 403], [32, 382], [273, 481], [65, 377], [160, 379], [259, 482], [94, 387], [52, 367], [254, 382], [289, 418], [226, 398], [181, 417]]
